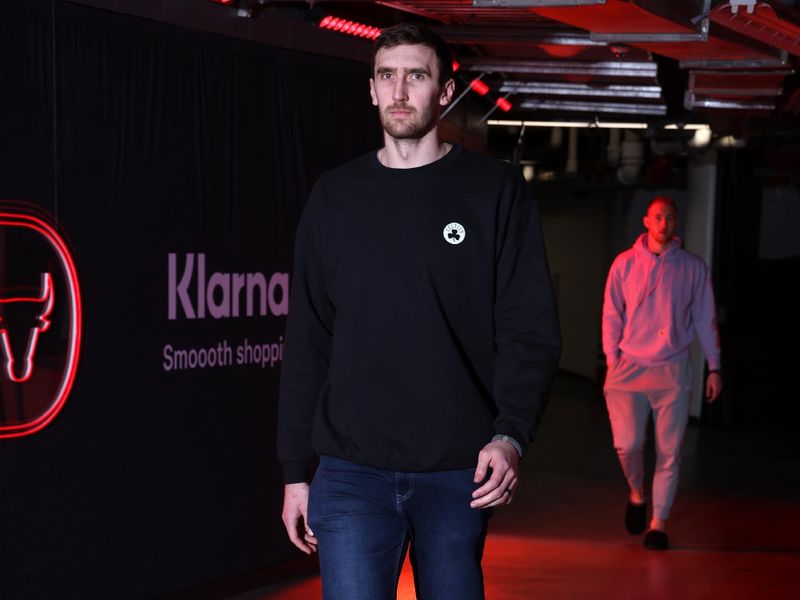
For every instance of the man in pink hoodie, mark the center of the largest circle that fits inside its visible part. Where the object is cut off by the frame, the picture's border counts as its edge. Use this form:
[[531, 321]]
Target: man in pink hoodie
[[657, 297]]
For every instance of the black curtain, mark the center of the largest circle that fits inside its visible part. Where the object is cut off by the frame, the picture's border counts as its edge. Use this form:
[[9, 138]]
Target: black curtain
[[759, 315], [144, 140]]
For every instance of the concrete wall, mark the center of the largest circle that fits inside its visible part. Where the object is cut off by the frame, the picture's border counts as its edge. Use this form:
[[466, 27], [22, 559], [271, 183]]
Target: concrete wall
[[698, 217], [574, 231]]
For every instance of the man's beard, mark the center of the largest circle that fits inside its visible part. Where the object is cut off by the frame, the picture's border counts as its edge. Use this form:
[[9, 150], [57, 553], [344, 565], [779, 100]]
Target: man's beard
[[661, 238], [413, 128]]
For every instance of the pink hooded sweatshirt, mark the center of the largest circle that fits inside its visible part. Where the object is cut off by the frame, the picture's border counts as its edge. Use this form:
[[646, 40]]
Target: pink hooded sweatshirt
[[654, 305]]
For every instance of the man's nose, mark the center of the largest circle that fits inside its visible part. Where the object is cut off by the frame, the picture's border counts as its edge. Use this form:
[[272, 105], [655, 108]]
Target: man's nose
[[400, 91]]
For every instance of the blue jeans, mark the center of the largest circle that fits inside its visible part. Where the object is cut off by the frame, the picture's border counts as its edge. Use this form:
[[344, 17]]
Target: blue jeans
[[365, 518]]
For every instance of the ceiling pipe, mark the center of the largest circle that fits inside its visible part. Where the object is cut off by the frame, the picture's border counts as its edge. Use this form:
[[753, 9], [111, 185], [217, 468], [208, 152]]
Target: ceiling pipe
[[631, 159], [613, 149], [572, 152]]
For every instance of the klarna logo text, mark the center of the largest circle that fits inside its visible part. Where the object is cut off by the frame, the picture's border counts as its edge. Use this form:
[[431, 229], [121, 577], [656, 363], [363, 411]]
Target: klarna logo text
[[222, 295]]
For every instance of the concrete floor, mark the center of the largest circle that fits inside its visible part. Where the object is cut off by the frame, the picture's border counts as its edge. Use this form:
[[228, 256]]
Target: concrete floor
[[735, 527]]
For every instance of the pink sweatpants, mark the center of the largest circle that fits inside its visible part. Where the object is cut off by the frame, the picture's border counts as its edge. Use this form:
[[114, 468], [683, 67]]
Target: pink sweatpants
[[632, 393]]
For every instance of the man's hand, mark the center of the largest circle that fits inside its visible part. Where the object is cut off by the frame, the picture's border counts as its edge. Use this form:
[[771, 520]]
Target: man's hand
[[295, 517], [503, 460], [713, 386]]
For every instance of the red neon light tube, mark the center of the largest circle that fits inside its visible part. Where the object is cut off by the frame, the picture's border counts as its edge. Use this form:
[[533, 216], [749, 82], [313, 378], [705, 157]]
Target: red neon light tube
[[479, 87], [353, 28], [503, 104]]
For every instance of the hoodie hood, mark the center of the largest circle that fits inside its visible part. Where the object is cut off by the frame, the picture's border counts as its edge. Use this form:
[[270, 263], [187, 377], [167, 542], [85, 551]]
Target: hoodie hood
[[654, 262], [640, 245]]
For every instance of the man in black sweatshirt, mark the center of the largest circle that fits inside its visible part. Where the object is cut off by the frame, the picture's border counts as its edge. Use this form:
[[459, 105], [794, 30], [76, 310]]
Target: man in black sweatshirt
[[422, 338]]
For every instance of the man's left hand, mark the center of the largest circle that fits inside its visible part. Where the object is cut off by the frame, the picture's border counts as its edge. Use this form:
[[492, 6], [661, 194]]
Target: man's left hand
[[503, 460], [713, 386]]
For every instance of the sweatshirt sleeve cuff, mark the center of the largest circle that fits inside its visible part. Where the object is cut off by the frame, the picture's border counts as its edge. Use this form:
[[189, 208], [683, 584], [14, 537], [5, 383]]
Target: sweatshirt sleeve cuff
[[505, 429], [295, 472]]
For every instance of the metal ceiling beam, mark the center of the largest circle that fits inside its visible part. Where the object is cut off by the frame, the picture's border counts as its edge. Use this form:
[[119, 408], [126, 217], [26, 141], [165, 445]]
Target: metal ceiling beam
[[691, 15], [644, 92], [467, 34], [410, 9], [701, 35], [461, 11], [532, 3], [595, 107], [692, 101], [638, 69], [736, 64]]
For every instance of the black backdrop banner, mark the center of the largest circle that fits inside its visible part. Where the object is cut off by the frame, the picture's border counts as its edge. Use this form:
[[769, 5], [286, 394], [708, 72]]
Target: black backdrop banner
[[176, 164]]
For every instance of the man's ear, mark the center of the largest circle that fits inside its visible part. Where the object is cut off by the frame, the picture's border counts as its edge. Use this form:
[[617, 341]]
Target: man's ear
[[447, 92], [372, 92]]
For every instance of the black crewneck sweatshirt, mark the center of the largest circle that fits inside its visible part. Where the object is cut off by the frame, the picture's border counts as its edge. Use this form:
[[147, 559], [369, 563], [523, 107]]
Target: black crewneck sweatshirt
[[421, 321]]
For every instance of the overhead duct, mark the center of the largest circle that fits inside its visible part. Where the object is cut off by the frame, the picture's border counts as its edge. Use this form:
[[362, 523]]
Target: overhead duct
[[597, 58], [661, 26], [737, 84], [767, 22]]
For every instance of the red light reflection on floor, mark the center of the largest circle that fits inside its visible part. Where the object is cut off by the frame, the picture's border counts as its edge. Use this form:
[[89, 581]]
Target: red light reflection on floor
[[523, 567]]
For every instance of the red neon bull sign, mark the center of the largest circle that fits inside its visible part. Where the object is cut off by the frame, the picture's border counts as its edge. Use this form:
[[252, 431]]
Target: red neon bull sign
[[42, 307], [40, 323]]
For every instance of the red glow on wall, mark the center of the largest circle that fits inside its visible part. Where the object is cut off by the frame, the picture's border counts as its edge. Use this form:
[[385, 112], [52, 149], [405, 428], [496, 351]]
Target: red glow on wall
[[350, 27], [42, 302], [456, 66], [479, 87], [503, 104]]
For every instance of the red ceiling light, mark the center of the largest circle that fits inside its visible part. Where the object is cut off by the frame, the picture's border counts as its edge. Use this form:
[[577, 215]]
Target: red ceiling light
[[456, 66], [222, 1], [353, 28], [479, 87], [503, 104]]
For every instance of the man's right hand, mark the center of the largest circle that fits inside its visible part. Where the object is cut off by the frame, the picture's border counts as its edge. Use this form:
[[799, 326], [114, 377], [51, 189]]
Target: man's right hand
[[295, 517]]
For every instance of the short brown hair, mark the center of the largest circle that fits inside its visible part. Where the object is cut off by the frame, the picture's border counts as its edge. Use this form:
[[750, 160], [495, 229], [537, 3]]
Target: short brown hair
[[662, 200], [413, 34]]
